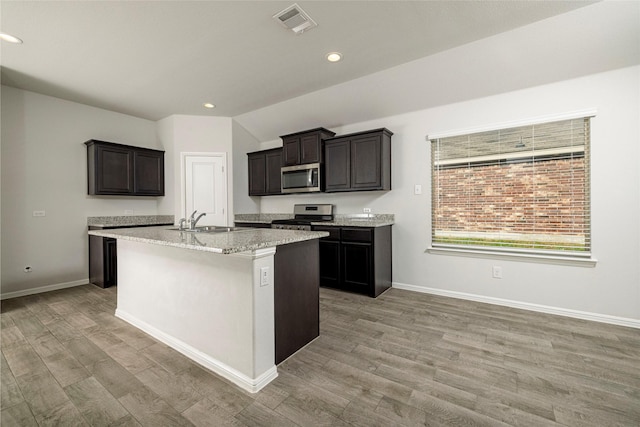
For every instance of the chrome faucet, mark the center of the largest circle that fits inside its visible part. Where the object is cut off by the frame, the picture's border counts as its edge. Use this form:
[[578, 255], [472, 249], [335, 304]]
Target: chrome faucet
[[193, 221]]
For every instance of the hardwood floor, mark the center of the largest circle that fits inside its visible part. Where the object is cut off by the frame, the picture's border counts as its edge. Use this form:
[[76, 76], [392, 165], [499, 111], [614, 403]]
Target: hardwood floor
[[401, 359]]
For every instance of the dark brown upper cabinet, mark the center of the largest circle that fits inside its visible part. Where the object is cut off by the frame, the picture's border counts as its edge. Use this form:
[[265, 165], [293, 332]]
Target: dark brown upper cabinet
[[264, 172], [358, 161], [305, 147], [117, 169]]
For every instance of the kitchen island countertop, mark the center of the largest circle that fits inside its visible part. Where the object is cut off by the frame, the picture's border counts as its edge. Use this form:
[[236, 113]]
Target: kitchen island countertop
[[240, 240]]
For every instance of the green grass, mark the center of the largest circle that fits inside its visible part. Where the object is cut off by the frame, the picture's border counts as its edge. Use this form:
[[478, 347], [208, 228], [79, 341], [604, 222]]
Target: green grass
[[505, 243]]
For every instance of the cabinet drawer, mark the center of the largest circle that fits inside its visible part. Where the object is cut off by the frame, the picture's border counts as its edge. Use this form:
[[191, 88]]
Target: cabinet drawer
[[334, 232], [357, 235]]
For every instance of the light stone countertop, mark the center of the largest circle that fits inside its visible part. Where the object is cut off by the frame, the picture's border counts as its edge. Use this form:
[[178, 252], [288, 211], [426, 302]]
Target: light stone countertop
[[339, 220], [264, 218], [129, 220], [242, 240]]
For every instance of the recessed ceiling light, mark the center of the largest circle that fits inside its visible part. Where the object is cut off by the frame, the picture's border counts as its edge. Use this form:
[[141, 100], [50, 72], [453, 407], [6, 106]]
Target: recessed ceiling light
[[208, 105], [9, 38], [334, 56]]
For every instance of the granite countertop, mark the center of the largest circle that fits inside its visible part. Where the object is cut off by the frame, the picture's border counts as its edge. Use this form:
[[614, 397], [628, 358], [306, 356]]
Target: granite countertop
[[339, 220], [129, 220], [241, 240]]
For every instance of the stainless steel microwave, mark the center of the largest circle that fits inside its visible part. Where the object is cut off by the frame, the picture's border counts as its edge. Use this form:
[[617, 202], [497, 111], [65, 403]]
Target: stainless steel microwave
[[302, 178]]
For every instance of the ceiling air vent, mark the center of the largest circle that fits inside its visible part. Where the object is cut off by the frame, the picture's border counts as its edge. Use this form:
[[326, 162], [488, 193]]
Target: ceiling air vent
[[295, 19]]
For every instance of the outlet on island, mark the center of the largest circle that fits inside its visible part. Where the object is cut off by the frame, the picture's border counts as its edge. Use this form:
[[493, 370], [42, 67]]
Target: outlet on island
[[264, 276]]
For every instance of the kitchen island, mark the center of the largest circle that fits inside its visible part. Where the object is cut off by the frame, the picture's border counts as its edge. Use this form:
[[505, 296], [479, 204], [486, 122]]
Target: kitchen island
[[228, 300]]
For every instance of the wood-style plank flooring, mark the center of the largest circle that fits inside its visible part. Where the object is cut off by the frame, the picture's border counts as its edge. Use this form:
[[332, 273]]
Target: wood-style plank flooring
[[401, 359]]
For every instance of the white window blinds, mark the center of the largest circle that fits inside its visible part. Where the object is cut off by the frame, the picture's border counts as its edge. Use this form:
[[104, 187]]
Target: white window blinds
[[522, 189]]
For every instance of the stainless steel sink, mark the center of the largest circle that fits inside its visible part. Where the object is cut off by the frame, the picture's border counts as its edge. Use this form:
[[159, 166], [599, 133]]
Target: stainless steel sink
[[209, 229]]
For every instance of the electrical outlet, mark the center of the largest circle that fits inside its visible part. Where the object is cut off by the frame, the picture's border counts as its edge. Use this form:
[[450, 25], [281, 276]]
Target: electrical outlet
[[366, 210], [39, 213], [264, 276], [128, 211], [497, 272]]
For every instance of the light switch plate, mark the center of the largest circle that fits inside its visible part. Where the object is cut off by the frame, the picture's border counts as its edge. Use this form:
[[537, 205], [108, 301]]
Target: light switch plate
[[417, 189], [39, 213]]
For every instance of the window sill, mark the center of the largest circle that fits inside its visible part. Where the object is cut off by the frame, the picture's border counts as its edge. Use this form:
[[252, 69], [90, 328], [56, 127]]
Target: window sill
[[543, 259]]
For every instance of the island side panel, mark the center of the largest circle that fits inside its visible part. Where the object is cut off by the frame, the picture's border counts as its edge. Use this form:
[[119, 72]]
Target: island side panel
[[297, 297], [203, 304]]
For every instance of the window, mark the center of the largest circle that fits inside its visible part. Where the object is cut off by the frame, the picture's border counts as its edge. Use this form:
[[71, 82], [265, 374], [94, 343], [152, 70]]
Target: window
[[523, 189]]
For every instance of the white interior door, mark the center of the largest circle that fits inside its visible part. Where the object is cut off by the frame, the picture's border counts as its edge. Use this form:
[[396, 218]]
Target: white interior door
[[205, 187]]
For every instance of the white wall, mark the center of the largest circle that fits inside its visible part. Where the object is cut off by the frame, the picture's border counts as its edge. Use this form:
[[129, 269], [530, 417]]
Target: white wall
[[243, 143], [44, 167], [193, 134], [611, 288]]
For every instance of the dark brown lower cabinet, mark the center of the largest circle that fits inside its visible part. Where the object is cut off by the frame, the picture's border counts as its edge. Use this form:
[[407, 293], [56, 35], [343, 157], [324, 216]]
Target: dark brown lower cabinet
[[330, 257], [356, 270], [103, 264], [356, 259], [296, 297]]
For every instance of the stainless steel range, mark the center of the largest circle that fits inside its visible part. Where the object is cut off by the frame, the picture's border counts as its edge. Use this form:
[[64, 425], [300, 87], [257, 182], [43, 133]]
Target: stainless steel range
[[304, 215]]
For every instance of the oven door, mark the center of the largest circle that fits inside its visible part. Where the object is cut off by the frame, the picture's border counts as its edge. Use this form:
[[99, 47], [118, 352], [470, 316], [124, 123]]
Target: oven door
[[301, 178]]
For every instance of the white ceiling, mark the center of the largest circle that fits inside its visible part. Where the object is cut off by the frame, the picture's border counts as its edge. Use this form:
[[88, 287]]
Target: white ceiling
[[153, 59]]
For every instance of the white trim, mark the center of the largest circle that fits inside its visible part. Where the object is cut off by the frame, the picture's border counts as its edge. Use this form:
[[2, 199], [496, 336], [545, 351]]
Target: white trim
[[41, 289], [515, 123], [513, 256], [577, 314], [252, 385]]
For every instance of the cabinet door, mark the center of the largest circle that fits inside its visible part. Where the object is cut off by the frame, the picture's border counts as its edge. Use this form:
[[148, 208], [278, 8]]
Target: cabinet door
[[114, 170], [149, 173], [337, 157], [274, 174], [356, 267], [366, 163], [110, 262], [291, 151], [330, 263], [257, 174], [310, 149]]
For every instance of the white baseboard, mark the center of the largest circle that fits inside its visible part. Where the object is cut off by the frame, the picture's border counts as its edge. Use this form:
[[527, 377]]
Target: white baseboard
[[252, 385], [585, 315], [42, 289]]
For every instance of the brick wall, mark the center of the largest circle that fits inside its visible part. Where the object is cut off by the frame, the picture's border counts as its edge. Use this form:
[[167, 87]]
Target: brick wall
[[545, 197]]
